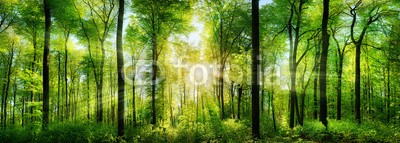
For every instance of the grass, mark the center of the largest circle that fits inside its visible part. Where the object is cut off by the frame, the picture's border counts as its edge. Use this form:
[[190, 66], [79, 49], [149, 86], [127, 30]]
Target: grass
[[216, 131]]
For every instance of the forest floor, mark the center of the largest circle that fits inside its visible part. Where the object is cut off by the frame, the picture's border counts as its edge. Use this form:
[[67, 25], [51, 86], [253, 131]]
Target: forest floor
[[217, 131]]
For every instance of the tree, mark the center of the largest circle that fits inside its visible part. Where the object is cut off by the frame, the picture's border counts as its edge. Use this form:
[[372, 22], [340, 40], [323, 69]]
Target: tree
[[102, 16], [46, 87], [29, 23], [136, 40], [255, 69], [160, 19], [229, 28], [341, 50], [7, 15], [9, 57], [293, 61], [66, 21], [322, 71], [120, 70], [374, 15]]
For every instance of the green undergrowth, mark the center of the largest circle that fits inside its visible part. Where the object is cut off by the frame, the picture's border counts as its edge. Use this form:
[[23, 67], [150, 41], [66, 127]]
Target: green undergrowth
[[214, 131], [348, 131]]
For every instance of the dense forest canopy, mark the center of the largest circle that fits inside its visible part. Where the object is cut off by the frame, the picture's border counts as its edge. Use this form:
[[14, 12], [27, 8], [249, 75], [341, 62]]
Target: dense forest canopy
[[199, 70]]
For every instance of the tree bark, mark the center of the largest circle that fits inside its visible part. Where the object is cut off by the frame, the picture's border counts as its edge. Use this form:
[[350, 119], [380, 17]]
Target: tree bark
[[67, 108], [358, 43], [273, 91], [255, 70], [46, 64], [388, 93], [133, 97], [120, 67], [88, 95], [322, 73], [232, 97], [15, 99], [7, 86], [59, 84], [154, 82], [240, 92]]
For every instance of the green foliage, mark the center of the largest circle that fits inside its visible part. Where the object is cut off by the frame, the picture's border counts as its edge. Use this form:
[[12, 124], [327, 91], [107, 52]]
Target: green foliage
[[60, 132], [349, 131]]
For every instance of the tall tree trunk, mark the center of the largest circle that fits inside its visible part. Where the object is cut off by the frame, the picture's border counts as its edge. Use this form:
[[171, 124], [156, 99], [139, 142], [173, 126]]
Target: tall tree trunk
[[67, 112], [273, 92], [240, 92], [316, 65], [357, 85], [358, 43], [88, 95], [339, 86], [255, 70], [23, 112], [120, 67], [154, 73], [232, 97], [262, 86], [59, 84], [78, 92], [46, 64], [133, 98], [388, 94], [292, 70], [322, 73], [112, 96], [170, 107], [221, 91], [9, 66], [15, 99], [34, 41], [100, 85]]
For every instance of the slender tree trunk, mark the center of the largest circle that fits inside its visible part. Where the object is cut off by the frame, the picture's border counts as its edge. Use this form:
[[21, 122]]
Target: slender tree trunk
[[2, 106], [100, 86], [357, 85], [358, 44], [232, 97], [67, 112], [292, 70], [255, 70], [240, 92], [46, 64], [59, 84], [32, 70], [221, 91], [221, 71], [88, 95], [133, 98], [322, 74], [112, 96], [388, 93], [339, 88], [273, 92], [15, 99], [9, 66], [262, 86], [170, 107], [78, 92], [184, 97], [315, 108], [121, 75], [23, 112], [154, 72]]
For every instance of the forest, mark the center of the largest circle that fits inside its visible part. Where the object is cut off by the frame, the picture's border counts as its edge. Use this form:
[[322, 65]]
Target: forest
[[199, 71]]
